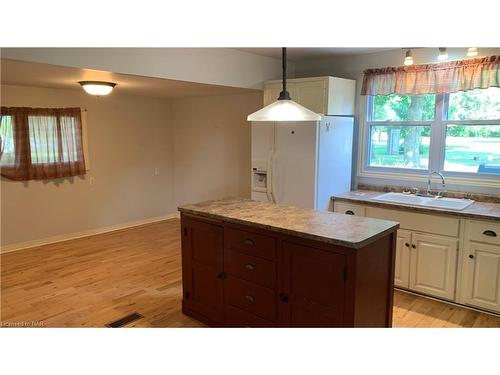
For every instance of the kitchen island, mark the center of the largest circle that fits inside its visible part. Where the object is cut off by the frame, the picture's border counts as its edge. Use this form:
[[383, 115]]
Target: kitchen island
[[257, 264]]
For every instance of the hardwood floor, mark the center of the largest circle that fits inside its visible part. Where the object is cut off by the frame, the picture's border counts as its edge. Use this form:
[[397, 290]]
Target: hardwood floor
[[92, 281]]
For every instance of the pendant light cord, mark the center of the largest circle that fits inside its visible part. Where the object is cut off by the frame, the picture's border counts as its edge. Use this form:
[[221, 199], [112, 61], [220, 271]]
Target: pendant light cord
[[284, 95]]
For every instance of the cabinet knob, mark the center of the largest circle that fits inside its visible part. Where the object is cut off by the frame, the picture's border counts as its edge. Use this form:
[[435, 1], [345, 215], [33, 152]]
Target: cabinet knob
[[471, 256], [349, 212], [407, 244], [413, 246], [249, 242], [249, 298], [489, 233], [221, 275], [250, 267], [283, 297]]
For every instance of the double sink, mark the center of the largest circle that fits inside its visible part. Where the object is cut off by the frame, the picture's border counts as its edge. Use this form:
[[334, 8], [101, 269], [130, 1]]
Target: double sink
[[437, 202]]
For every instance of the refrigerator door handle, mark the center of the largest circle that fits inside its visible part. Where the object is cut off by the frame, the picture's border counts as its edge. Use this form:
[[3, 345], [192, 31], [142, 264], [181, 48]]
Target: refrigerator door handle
[[269, 191], [273, 169]]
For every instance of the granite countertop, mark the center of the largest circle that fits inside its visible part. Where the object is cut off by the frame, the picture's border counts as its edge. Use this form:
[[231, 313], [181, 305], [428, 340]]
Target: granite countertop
[[477, 210], [338, 229]]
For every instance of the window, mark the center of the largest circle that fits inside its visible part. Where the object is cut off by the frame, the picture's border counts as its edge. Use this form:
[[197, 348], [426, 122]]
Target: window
[[41, 143], [457, 133]]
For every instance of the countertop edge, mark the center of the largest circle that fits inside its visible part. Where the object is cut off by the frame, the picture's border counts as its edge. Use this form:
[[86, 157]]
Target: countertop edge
[[305, 235], [406, 207]]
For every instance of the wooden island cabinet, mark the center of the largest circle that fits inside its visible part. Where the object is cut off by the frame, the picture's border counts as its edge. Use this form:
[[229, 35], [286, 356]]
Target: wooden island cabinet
[[241, 269]]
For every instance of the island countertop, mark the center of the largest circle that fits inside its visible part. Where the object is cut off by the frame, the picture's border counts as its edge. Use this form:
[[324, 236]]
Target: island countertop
[[333, 228]]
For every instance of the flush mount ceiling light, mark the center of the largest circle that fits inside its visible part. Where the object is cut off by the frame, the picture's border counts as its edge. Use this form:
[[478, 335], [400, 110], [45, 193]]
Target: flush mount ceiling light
[[443, 53], [97, 88], [472, 51], [284, 109], [408, 58]]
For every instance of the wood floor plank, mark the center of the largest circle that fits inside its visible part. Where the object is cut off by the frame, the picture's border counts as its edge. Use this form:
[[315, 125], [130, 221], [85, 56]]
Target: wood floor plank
[[91, 281]]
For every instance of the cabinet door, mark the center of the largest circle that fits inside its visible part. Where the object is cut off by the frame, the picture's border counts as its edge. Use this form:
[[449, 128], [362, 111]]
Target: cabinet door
[[312, 95], [433, 264], [402, 266], [202, 265], [311, 287], [271, 94], [481, 276]]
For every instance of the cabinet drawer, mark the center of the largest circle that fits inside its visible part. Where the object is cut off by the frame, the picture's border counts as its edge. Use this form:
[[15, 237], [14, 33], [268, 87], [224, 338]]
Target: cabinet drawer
[[483, 231], [250, 297], [349, 208], [250, 243], [239, 318], [249, 268]]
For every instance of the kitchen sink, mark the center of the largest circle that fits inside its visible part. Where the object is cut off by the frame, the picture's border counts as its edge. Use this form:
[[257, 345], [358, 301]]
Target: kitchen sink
[[412, 199]]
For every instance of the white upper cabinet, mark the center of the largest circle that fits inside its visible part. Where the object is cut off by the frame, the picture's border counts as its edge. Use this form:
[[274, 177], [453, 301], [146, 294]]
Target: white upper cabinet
[[323, 95]]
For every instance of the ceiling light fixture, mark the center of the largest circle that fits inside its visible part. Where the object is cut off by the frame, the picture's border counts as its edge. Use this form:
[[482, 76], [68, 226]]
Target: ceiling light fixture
[[472, 51], [284, 109], [443, 53], [408, 58], [97, 88]]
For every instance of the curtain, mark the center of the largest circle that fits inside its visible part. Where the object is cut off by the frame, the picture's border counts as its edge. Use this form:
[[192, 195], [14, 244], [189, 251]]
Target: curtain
[[41, 143], [439, 78]]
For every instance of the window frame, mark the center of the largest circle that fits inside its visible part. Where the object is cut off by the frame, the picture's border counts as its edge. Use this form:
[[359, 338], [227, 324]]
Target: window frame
[[437, 146]]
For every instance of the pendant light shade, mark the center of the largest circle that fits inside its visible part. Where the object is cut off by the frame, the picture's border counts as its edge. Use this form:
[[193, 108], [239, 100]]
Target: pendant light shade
[[284, 109]]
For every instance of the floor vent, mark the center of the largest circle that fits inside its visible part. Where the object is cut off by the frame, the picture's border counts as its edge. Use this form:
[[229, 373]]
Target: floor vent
[[125, 320]]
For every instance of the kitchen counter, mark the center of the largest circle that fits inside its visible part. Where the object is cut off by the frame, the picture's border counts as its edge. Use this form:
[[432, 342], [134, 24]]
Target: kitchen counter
[[478, 210], [328, 227]]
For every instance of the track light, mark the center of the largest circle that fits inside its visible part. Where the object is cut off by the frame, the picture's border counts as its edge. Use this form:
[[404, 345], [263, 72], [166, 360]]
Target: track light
[[408, 58], [472, 51], [443, 53]]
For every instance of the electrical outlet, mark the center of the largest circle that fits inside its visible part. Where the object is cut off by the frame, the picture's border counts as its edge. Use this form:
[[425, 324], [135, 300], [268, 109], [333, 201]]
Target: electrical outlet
[[91, 180]]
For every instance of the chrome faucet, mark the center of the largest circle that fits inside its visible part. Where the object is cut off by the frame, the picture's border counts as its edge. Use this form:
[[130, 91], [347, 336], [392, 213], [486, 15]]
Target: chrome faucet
[[428, 193]]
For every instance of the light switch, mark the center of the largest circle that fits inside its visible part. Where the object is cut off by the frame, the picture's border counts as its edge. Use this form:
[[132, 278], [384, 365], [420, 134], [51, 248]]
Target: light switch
[[157, 171], [91, 180]]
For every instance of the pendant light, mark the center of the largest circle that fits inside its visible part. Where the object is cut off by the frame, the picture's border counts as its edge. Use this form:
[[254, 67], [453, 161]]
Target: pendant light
[[284, 109]]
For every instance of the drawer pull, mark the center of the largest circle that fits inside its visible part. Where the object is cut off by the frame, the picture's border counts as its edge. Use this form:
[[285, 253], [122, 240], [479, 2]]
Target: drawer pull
[[413, 246], [349, 212], [250, 267], [489, 233], [249, 242], [283, 297], [407, 244], [249, 298], [471, 256]]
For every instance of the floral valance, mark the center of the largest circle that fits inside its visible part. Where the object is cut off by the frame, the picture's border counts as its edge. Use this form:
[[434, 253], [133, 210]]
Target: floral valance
[[439, 78]]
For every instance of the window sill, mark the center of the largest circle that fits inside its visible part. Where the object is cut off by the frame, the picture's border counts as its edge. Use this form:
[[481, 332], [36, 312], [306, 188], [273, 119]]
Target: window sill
[[422, 177]]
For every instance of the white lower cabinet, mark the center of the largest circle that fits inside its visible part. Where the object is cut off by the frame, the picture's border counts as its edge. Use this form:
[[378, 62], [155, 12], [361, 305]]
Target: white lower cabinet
[[481, 276], [402, 266], [427, 251], [433, 263]]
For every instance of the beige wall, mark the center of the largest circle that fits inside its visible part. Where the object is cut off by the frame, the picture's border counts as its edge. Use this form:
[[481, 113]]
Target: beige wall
[[128, 137], [212, 146], [200, 145]]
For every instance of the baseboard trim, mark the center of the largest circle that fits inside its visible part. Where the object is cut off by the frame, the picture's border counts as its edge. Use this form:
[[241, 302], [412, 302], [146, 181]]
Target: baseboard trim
[[86, 233]]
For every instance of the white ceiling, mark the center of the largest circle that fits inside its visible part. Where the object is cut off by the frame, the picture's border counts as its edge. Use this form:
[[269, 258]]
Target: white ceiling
[[14, 72], [298, 54]]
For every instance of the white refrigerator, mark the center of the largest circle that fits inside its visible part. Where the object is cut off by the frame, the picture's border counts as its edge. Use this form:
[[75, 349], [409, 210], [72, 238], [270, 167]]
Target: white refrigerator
[[302, 163]]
